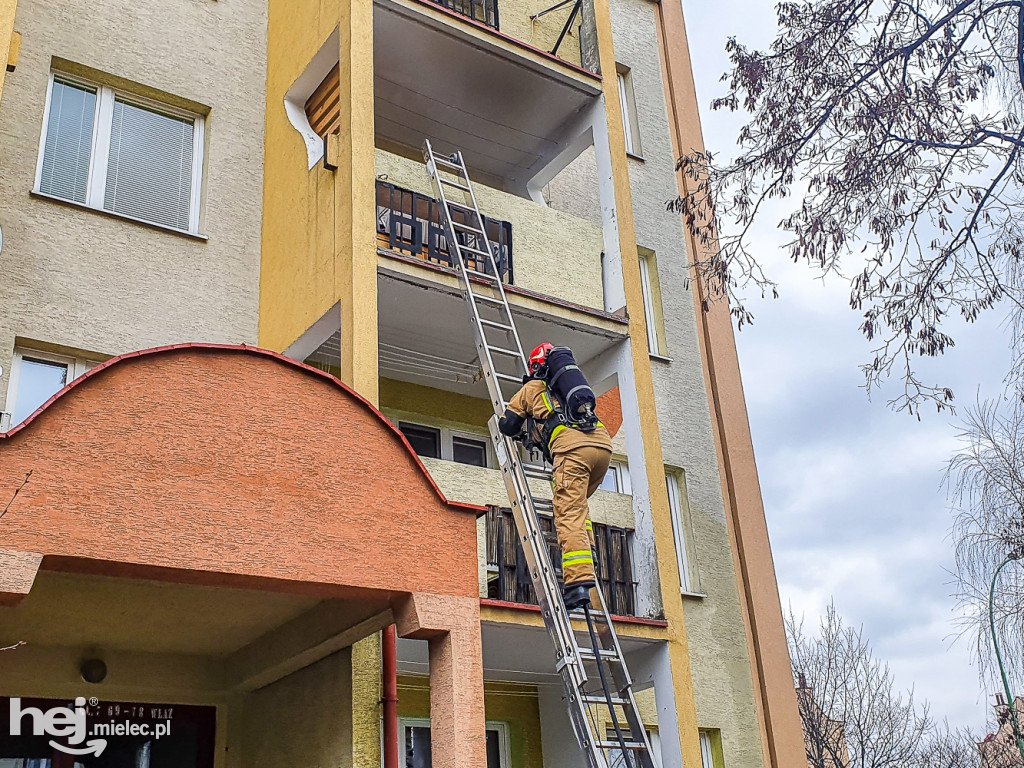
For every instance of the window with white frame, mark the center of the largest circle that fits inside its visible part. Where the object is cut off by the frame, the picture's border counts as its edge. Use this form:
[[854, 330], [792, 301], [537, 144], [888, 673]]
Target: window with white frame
[[616, 479], [447, 444], [121, 153], [708, 741], [679, 528], [36, 377], [627, 101], [651, 299], [415, 735]]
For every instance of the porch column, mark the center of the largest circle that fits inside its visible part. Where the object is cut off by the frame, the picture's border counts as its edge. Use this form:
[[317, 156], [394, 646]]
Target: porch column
[[451, 626], [17, 574]]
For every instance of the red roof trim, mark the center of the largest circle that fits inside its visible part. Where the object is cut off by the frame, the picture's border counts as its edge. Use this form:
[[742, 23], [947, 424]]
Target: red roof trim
[[509, 39], [248, 350], [489, 603]]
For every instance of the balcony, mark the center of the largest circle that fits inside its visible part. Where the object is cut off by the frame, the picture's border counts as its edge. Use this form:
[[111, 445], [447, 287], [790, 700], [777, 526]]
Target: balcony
[[508, 577], [410, 223], [482, 11], [443, 72]]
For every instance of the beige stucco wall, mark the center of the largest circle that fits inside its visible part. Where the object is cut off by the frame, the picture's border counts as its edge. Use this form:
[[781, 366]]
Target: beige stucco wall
[[303, 719], [89, 281], [553, 252], [514, 20]]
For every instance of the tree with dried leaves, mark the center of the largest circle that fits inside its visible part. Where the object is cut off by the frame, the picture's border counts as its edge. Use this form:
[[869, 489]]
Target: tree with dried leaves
[[852, 714], [892, 134], [986, 483]]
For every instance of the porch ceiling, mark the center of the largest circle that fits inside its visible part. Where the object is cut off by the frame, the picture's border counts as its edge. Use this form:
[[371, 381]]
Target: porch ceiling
[[513, 106], [511, 653], [146, 616], [426, 336]]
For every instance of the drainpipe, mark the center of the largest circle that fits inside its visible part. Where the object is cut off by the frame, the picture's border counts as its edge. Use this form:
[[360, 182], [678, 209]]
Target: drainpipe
[[390, 700]]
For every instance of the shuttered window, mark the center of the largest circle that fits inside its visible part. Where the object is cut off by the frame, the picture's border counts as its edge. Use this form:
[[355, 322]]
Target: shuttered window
[[68, 145], [122, 154], [322, 107]]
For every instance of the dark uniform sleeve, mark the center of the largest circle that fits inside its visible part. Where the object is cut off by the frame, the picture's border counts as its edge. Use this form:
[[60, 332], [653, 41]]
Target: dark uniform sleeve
[[511, 423]]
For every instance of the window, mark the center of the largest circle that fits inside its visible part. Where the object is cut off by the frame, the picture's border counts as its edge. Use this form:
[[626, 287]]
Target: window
[[116, 152], [652, 301], [426, 441], [617, 478], [679, 510], [466, 450], [711, 749], [416, 741], [630, 125], [617, 760], [38, 376], [447, 444]]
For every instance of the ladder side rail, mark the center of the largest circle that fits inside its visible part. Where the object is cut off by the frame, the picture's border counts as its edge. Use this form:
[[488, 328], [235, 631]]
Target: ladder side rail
[[535, 552], [490, 256]]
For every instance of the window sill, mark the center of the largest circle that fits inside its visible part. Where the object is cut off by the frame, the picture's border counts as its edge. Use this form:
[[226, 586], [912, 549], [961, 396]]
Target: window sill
[[660, 358], [114, 215], [631, 156], [693, 595]]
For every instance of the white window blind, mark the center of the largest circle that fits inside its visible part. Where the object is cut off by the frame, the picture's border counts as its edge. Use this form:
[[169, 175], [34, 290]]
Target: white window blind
[[121, 153], [68, 146], [675, 507], [707, 759], [649, 315], [149, 169], [627, 122]]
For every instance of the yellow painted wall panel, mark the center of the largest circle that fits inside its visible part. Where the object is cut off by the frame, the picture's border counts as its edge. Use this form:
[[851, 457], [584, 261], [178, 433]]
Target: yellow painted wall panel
[[509, 703]]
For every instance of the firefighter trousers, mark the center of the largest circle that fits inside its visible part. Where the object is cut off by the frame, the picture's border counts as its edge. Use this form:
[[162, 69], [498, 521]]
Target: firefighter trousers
[[578, 473]]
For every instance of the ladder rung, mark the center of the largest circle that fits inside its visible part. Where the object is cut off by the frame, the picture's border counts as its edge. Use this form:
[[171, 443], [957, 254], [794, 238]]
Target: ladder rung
[[471, 249], [607, 655], [468, 228], [616, 701], [503, 351], [442, 161], [455, 184], [508, 377], [488, 299], [463, 206], [481, 275], [494, 324], [635, 745]]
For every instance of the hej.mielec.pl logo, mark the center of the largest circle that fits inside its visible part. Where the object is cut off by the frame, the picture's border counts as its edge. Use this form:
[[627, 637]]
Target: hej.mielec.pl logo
[[69, 724]]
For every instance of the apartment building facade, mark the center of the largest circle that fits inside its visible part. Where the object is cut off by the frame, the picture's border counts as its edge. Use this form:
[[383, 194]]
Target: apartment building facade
[[244, 429]]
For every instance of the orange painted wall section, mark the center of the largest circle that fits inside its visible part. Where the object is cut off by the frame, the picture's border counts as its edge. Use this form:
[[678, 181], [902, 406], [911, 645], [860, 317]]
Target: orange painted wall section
[[609, 409], [232, 461]]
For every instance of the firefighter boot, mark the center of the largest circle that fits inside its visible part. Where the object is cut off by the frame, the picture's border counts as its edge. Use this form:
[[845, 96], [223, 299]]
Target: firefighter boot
[[577, 595]]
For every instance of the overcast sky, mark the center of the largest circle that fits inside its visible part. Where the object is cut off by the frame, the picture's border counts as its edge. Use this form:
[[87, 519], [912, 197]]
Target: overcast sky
[[852, 491]]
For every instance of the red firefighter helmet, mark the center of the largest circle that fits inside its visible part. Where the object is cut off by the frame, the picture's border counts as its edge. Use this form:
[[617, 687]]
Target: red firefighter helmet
[[539, 357]]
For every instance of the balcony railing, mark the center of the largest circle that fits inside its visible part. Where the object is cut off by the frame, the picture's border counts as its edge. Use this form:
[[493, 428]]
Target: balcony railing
[[484, 11], [510, 580], [408, 222]]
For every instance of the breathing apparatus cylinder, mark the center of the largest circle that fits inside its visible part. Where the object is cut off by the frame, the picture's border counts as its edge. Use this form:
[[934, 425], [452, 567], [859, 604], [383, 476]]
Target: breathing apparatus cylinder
[[565, 379]]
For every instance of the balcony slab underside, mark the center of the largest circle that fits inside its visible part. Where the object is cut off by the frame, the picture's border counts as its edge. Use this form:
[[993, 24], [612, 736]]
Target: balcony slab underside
[[511, 653], [426, 336], [464, 87]]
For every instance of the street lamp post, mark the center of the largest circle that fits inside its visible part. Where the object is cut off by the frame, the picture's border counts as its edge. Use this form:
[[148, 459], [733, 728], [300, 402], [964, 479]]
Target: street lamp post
[[1015, 555]]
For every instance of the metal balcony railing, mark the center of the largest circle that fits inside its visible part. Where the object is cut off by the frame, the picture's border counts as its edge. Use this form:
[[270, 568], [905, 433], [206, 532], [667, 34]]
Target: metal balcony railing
[[484, 11], [410, 223], [509, 580]]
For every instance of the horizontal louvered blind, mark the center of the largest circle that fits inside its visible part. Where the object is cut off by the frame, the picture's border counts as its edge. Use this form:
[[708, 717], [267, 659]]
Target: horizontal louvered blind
[[66, 153], [322, 108], [149, 170]]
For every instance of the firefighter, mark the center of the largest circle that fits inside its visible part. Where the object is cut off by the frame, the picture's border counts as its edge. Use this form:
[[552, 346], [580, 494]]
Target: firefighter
[[580, 449]]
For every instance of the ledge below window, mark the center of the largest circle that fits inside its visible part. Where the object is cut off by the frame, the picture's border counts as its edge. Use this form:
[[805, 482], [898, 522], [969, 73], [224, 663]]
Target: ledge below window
[[660, 358], [693, 595], [115, 215], [491, 603]]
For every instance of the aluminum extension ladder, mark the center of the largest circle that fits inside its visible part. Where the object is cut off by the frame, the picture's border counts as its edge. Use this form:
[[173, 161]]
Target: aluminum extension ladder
[[597, 683]]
